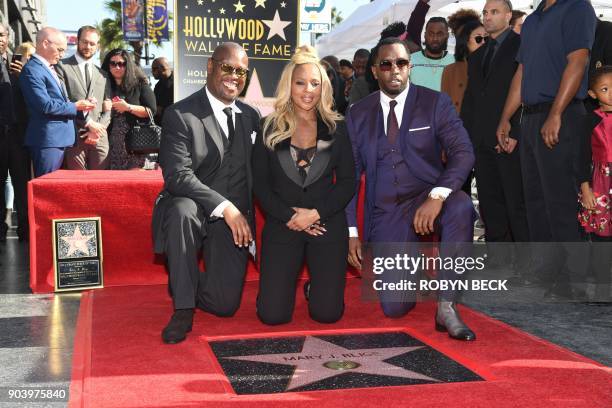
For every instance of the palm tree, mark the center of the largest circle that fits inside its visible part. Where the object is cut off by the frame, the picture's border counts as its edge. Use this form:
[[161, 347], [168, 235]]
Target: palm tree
[[111, 34]]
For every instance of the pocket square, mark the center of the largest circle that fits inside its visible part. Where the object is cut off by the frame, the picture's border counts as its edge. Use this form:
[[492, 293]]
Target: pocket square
[[253, 136], [420, 128]]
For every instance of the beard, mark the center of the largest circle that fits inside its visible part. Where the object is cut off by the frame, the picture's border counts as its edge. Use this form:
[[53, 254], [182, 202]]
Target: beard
[[437, 49]]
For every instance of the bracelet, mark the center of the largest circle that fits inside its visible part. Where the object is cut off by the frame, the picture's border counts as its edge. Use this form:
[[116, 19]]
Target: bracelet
[[130, 109]]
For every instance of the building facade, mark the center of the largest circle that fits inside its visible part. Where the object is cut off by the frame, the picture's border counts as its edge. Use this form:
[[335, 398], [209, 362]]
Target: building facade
[[24, 17]]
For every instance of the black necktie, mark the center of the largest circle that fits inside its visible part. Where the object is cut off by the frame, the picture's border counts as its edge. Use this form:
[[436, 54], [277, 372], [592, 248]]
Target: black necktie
[[87, 77], [392, 126], [230, 124], [487, 61]]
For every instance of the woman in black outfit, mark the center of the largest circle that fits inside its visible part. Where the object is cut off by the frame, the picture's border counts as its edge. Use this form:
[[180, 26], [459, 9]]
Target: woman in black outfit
[[132, 99], [304, 176]]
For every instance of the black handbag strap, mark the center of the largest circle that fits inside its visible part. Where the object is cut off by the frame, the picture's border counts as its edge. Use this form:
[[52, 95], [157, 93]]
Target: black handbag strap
[[151, 122]]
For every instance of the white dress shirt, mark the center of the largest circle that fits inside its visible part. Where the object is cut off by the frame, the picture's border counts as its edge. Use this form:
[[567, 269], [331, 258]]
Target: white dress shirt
[[49, 68], [81, 64]]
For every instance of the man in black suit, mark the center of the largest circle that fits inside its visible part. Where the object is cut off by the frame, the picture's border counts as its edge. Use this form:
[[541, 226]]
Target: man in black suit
[[205, 157], [498, 174]]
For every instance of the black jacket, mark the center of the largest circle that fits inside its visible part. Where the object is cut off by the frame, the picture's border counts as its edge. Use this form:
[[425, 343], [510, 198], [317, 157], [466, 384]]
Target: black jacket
[[141, 95], [484, 99], [329, 186]]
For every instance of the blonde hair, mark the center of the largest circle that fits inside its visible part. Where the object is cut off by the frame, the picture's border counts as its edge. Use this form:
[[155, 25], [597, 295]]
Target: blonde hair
[[26, 49], [281, 123]]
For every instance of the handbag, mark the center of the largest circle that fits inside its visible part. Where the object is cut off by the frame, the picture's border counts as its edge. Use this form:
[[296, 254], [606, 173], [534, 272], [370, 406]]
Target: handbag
[[143, 137]]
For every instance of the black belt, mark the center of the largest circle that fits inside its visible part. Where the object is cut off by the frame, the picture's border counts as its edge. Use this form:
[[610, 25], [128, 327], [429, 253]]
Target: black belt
[[543, 107]]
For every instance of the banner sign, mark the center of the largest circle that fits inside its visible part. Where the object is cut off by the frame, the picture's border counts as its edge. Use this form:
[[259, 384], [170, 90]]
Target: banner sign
[[266, 29], [315, 16], [132, 13], [157, 20]]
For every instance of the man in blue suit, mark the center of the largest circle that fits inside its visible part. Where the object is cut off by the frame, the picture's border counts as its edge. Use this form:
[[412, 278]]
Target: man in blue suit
[[50, 128], [398, 135]]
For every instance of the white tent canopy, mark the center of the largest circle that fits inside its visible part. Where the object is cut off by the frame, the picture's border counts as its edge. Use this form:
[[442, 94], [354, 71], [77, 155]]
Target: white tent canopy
[[362, 28]]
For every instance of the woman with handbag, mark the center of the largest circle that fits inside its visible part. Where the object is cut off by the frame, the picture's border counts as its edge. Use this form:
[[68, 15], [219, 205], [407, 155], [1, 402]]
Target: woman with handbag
[[133, 102]]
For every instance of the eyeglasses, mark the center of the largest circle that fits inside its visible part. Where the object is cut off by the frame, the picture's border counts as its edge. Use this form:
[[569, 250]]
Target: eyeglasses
[[117, 64], [386, 65], [58, 49], [480, 38], [231, 70]]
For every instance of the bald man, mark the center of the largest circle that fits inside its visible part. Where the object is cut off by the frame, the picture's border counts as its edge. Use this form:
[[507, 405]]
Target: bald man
[[206, 202], [164, 89], [50, 128]]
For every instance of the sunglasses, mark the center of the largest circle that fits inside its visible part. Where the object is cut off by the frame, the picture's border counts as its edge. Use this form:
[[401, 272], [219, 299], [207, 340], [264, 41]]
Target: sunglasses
[[386, 65], [231, 70], [117, 64], [479, 39]]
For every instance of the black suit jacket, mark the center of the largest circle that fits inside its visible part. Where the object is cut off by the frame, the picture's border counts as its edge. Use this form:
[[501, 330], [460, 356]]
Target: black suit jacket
[[329, 186], [484, 99], [191, 153]]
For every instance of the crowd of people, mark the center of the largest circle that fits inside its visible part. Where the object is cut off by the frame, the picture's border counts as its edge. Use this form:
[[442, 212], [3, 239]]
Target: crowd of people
[[532, 127], [69, 113]]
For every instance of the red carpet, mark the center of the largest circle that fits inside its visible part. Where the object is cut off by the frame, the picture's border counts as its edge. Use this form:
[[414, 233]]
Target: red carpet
[[120, 361], [124, 200]]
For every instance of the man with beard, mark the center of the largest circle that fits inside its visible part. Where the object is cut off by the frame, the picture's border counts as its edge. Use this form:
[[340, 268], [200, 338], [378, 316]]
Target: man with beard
[[428, 65], [398, 135], [84, 80]]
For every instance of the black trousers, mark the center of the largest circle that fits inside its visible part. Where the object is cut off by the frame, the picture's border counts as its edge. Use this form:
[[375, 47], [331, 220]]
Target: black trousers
[[14, 158], [280, 266], [500, 194], [551, 191], [217, 290], [550, 176]]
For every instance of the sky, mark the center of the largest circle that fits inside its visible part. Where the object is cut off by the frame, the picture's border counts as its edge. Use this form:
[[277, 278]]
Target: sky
[[69, 15]]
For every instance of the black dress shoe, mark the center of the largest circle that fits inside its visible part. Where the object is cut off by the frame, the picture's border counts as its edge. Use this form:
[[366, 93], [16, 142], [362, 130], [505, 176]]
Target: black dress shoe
[[180, 324], [447, 320]]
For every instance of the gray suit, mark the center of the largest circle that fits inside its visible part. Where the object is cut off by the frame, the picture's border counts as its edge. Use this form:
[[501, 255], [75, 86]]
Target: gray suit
[[193, 154], [83, 156]]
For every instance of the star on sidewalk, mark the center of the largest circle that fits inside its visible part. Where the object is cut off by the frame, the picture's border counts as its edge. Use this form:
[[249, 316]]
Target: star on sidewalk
[[261, 3], [277, 26], [239, 7], [320, 359], [77, 242]]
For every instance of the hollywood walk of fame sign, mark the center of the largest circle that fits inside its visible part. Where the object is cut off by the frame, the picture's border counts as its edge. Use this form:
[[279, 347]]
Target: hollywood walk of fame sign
[[322, 362], [77, 254], [268, 30]]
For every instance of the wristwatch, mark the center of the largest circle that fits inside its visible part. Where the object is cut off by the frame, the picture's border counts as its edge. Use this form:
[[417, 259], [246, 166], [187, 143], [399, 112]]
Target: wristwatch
[[436, 196]]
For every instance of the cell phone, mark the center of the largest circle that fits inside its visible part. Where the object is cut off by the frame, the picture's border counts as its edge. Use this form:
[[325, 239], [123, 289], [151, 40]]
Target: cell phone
[[16, 57]]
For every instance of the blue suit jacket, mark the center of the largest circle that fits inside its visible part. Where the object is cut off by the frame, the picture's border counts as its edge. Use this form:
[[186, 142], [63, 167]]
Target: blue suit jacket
[[430, 124], [51, 113]]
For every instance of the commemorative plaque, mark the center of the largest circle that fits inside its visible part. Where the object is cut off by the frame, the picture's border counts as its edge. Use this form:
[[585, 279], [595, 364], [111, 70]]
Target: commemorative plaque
[[77, 254]]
